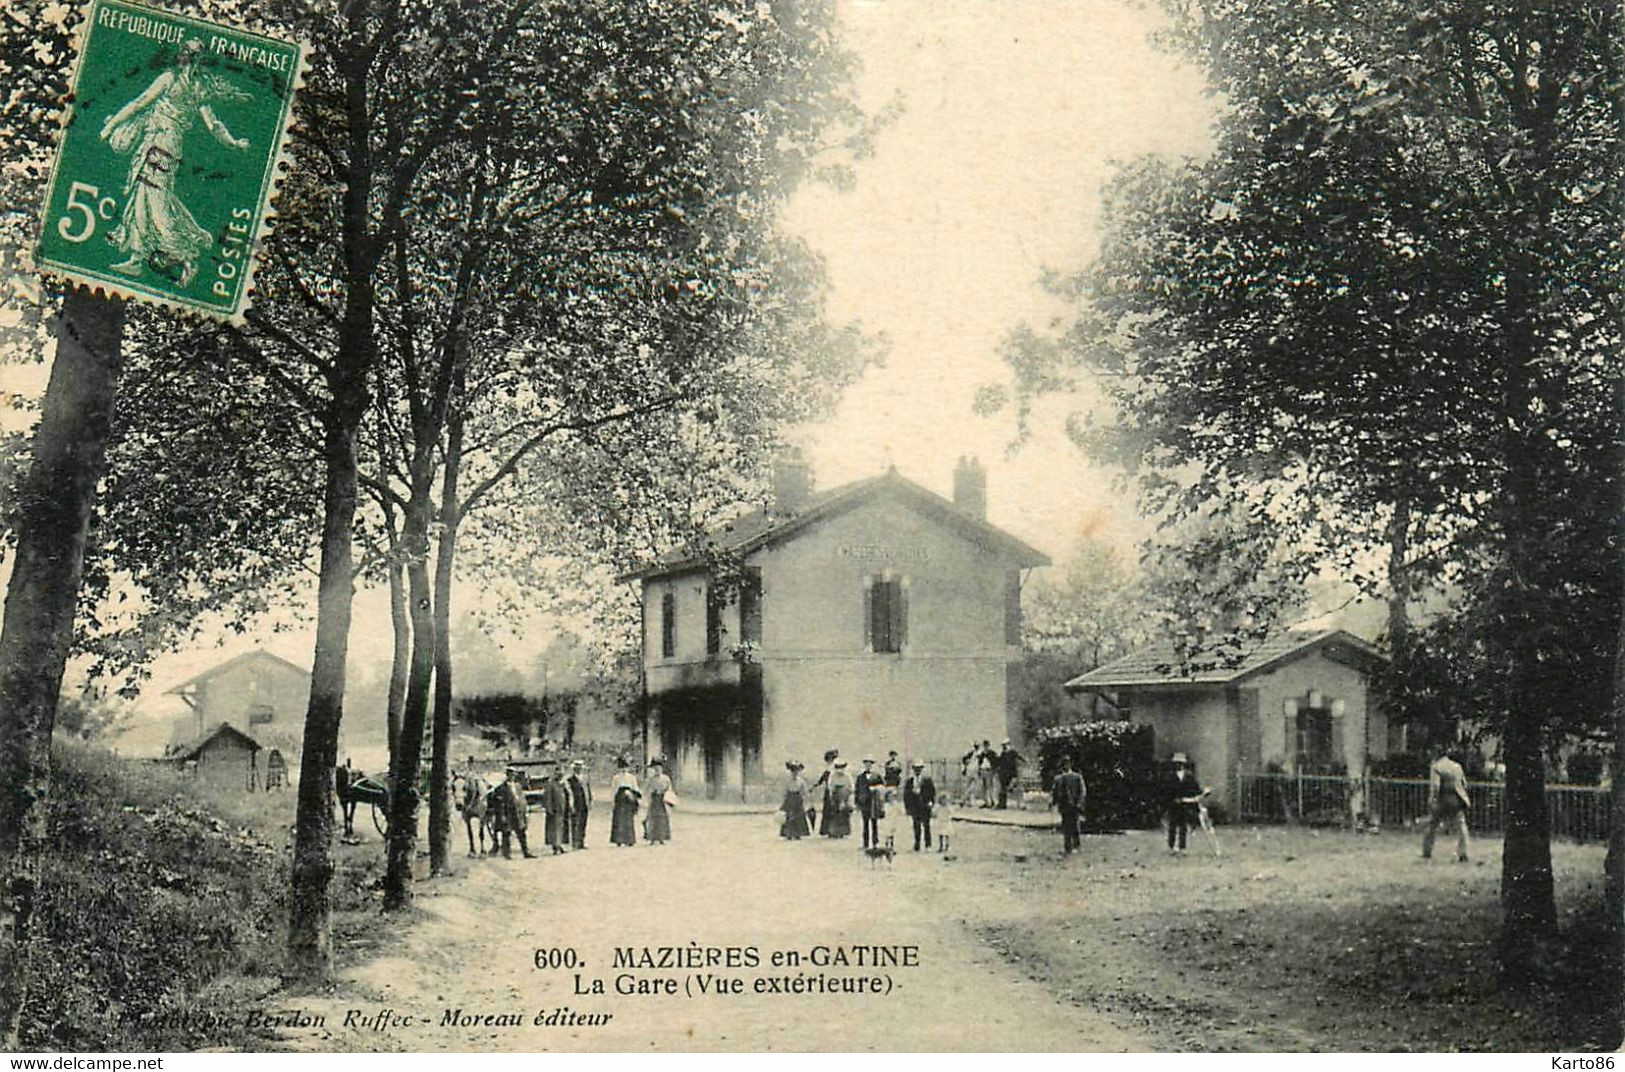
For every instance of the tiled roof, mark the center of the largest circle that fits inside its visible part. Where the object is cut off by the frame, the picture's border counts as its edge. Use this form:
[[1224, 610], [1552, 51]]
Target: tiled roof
[[761, 527], [257, 655], [190, 751], [1219, 662]]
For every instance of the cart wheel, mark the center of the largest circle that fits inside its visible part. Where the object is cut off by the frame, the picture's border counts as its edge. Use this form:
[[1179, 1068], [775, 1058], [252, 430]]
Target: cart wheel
[[380, 818]]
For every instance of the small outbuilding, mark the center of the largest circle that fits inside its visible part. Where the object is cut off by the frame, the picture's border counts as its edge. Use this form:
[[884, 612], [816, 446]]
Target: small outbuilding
[[1298, 701], [225, 757]]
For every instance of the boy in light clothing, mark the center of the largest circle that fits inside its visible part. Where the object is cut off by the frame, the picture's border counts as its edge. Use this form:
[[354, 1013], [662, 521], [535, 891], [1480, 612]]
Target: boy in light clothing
[[891, 818]]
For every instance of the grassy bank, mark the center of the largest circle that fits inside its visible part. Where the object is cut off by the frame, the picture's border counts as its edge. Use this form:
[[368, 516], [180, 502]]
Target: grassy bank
[[164, 902], [1294, 940]]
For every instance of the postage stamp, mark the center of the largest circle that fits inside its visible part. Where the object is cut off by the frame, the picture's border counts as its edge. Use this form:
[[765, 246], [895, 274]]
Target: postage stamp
[[163, 180]]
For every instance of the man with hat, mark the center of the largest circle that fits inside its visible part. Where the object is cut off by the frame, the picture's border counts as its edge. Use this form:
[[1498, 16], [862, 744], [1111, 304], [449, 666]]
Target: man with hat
[[1008, 767], [512, 816], [1068, 792], [580, 801], [919, 795], [868, 794], [894, 771], [1182, 794]]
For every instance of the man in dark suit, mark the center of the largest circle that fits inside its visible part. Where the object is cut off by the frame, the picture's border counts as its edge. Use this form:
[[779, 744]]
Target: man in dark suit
[[580, 802], [1067, 793], [894, 771], [1008, 766], [919, 794], [869, 802], [512, 813]]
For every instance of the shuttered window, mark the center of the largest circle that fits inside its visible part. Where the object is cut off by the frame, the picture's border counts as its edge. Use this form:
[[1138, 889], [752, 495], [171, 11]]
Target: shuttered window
[[750, 606], [1012, 607], [713, 620], [885, 614], [668, 625]]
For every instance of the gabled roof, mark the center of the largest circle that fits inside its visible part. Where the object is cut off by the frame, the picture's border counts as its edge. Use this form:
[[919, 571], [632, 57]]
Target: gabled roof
[[759, 528], [257, 655], [1224, 661], [190, 751]]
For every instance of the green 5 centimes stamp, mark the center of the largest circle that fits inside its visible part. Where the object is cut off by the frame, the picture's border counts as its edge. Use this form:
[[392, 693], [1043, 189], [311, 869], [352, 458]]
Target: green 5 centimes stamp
[[163, 180]]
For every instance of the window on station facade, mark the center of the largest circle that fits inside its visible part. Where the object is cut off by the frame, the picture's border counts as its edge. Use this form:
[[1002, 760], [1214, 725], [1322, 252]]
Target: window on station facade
[[713, 620], [1012, 607], [885, 614], [750, 606], [668, 625]]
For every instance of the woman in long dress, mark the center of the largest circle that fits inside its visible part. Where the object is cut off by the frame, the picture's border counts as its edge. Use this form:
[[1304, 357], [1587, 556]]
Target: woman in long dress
[[657, 820], [794, 808], [623, 788], [839, 808], [822, 808], [155, 227]]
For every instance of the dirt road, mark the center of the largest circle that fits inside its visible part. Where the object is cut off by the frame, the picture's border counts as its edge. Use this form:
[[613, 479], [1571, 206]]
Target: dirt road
[[727, 881]]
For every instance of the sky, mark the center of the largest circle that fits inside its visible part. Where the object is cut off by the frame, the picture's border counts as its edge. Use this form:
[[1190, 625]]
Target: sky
[[1014, 113]]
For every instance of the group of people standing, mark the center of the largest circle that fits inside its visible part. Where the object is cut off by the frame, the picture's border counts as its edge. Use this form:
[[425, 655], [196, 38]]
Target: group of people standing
[[828, 803], [994, 772], [503, 813], [655, 794]]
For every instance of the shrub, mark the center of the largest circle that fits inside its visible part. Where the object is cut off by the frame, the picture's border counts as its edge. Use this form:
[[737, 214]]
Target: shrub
[[151, 892], [1585, 768], [1115, 759]]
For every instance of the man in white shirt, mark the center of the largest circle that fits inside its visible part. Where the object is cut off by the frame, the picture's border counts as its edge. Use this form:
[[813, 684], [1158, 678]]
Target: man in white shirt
[[1447, 803]]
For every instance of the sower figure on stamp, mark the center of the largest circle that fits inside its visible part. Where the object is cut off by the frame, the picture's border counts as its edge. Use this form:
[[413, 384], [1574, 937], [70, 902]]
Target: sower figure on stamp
[[867, 795], [1447, 803], [512, 815], [919, 797], [580, 804], [1068, 795], [155, 227]]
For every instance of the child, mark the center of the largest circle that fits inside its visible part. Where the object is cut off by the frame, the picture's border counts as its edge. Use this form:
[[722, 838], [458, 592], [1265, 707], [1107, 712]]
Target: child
[[890, 816], [942, 814]]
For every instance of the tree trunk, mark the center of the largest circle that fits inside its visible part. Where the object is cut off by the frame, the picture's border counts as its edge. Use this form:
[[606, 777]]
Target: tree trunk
[[1529, 908], [310, 941], [404, 764], [1399, 623], [69, 457], [309, 938], [440, 763], [400, 657]]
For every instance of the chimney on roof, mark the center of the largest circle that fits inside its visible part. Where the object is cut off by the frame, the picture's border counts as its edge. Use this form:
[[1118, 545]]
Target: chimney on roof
[[792, 483], [970, 488]]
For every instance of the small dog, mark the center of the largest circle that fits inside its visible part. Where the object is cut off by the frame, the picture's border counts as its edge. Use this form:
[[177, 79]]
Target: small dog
[[881, 852]]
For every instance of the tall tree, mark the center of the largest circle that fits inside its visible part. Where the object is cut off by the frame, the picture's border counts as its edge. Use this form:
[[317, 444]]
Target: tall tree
[[1384, 314]]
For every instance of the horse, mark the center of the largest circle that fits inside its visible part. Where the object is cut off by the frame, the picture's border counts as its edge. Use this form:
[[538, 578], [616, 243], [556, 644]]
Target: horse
[[473, 801]]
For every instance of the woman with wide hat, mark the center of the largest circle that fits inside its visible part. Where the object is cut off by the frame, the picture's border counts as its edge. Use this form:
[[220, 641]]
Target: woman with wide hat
[[623, 789], [794, 809], [656, 788]]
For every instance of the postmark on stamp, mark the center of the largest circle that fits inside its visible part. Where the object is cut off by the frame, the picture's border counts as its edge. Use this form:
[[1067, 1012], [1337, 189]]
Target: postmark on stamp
[[163, 180]]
